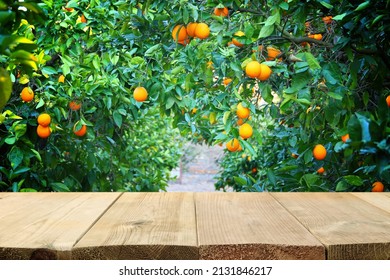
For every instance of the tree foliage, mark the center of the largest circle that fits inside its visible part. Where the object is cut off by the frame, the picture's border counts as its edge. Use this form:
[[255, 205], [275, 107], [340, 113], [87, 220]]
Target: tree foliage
[[329, 78]]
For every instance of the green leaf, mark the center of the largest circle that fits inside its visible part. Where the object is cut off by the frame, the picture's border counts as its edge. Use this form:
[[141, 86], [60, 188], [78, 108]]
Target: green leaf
[[363, 6], [354, 129], [341, 186], [239, 180], [326, 5], [337, 96], [271, 177], [15, 156], [47, 70], [353, 180], [117, 118], [339, 17], [266, 31], [5, 88], [151, 51], [312, 61], [59, 187]]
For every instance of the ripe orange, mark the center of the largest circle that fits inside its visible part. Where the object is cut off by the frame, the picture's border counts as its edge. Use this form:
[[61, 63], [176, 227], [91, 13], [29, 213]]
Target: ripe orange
[[61, 79], [179, 33], [321, 170], [191, 28], [327, 19], [44, 119], [317, 36], [319, 152], [81, 132], [140, 94], [388, 101], [224, 12], [227, 81], [242, 112], [245, 131], [202, 31], [253, 69], [294, 155], [184, 42], [254, 170], [235, 41], [240, 121], [27, 94], [378, 187], [233, 145], [265, 72], [75, 105], [272, 53], [83, 19], [43, 131], [345, 137]]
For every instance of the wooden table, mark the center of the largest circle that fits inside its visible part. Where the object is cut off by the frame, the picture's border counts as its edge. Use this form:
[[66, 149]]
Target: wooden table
[[194, 225]]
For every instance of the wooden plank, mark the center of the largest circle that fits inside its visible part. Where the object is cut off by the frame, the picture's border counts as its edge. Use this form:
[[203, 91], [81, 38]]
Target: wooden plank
[[47, 225], [251, 226], [143, 226], [381, 200], [349, 227]]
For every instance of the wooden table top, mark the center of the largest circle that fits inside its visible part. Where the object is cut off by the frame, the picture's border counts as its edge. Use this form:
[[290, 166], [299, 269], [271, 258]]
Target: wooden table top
[[194, 226]]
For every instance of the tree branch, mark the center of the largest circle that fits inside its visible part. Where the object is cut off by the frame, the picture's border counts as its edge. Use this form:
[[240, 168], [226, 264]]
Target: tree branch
[[287, 35]]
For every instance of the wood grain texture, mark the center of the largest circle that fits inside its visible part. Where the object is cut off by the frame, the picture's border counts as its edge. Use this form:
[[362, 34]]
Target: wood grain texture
[[251, 226], [380, 200], [47, 225], [348, 226], [143, 226]]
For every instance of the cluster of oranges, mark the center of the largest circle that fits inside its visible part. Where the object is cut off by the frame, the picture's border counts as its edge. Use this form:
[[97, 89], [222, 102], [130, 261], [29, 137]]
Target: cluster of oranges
[[245, 129], [43, 128], [182, 34], [261, 71]]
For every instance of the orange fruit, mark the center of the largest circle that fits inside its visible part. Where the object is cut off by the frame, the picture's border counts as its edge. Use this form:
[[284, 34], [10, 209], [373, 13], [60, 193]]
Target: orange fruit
[[235, 41], [245, 131], [61, 79], [224, 12], [44, 119], [81, 132], [345, 137], [321, 170], [233, 145], [191, 28], [179, 33], [253, 69], [202, 31], [254, 170], [294, 155], [327, 19], [378, 187], [319, 152], [388, 101], [242, 112], [317, 36], [184, 42], [265, 72], [272, 53], [43, 131], [83, 19], [140, 94], [240, 122], [27, 94], [74, 105], [227, 81]]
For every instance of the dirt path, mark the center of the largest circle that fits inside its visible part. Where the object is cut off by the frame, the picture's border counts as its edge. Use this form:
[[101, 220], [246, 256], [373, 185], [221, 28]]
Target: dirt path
[[198, 173]]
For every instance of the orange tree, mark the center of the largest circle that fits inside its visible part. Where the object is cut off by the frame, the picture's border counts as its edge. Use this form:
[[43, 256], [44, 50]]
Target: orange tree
[[82, 74], [322, 72]]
